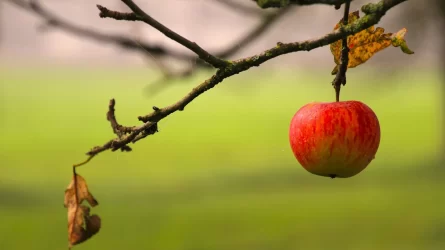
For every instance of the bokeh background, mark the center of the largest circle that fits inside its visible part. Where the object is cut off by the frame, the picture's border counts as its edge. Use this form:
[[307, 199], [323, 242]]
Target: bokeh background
[[219, 175]]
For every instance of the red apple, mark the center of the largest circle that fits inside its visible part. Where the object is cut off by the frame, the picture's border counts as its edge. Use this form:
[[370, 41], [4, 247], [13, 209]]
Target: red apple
[[335, 139]]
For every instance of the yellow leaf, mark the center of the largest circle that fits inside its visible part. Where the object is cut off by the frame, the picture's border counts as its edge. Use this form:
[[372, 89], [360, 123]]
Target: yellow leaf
[[81, 225], [366, 43]]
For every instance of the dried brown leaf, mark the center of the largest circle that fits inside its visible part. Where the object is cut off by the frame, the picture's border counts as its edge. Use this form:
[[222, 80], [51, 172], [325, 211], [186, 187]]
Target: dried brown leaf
[[81, 225]]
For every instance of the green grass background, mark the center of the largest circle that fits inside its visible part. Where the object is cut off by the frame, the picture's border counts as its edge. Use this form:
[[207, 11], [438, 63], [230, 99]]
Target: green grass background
[[219, 175]]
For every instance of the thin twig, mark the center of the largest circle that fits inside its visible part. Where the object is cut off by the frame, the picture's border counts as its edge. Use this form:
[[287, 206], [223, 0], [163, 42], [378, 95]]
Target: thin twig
[[281, 3], [104, 12], [118, 129], [340, 78], [82, 163], [111, 117], [203, 54], [267, 22], [52, 20]]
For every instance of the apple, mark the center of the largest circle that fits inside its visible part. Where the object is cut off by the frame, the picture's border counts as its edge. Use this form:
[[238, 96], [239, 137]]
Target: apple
[[335, 139]]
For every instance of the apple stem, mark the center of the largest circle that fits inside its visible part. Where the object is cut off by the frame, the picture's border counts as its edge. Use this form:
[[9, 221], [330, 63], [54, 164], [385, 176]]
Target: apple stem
[[340, 78], [337, 93]]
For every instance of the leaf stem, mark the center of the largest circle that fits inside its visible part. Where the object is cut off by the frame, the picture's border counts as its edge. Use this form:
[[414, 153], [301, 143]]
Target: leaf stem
[[82, 163]]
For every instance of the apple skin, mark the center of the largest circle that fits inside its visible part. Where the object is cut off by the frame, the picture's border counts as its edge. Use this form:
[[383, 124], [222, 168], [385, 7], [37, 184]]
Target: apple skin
[[335, 139]]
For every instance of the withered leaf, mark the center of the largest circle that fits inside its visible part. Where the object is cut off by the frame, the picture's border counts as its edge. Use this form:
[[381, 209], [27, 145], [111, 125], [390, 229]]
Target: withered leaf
[[366, 43], [81, 225]]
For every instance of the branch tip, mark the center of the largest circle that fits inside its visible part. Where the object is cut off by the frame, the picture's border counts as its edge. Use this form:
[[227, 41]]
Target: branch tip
[[104, 13], [203, 54]]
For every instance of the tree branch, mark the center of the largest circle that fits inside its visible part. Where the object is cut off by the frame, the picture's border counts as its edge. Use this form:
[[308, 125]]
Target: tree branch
[[283, 3], [120, 40], [104, 12], [267, 22], [155, 52], [374, 13], [241, 43], [142, 16], [340, 78]]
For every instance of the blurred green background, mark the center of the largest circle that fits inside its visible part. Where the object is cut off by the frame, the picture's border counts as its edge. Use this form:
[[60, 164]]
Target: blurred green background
[[219, 175]]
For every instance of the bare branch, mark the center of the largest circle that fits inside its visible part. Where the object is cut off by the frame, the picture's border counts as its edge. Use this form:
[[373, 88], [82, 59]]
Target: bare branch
[[340, 78], [142, 16], [280, 3], [266, 23], [374, 13], [120, 40], [104, 12], [111, 117]]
